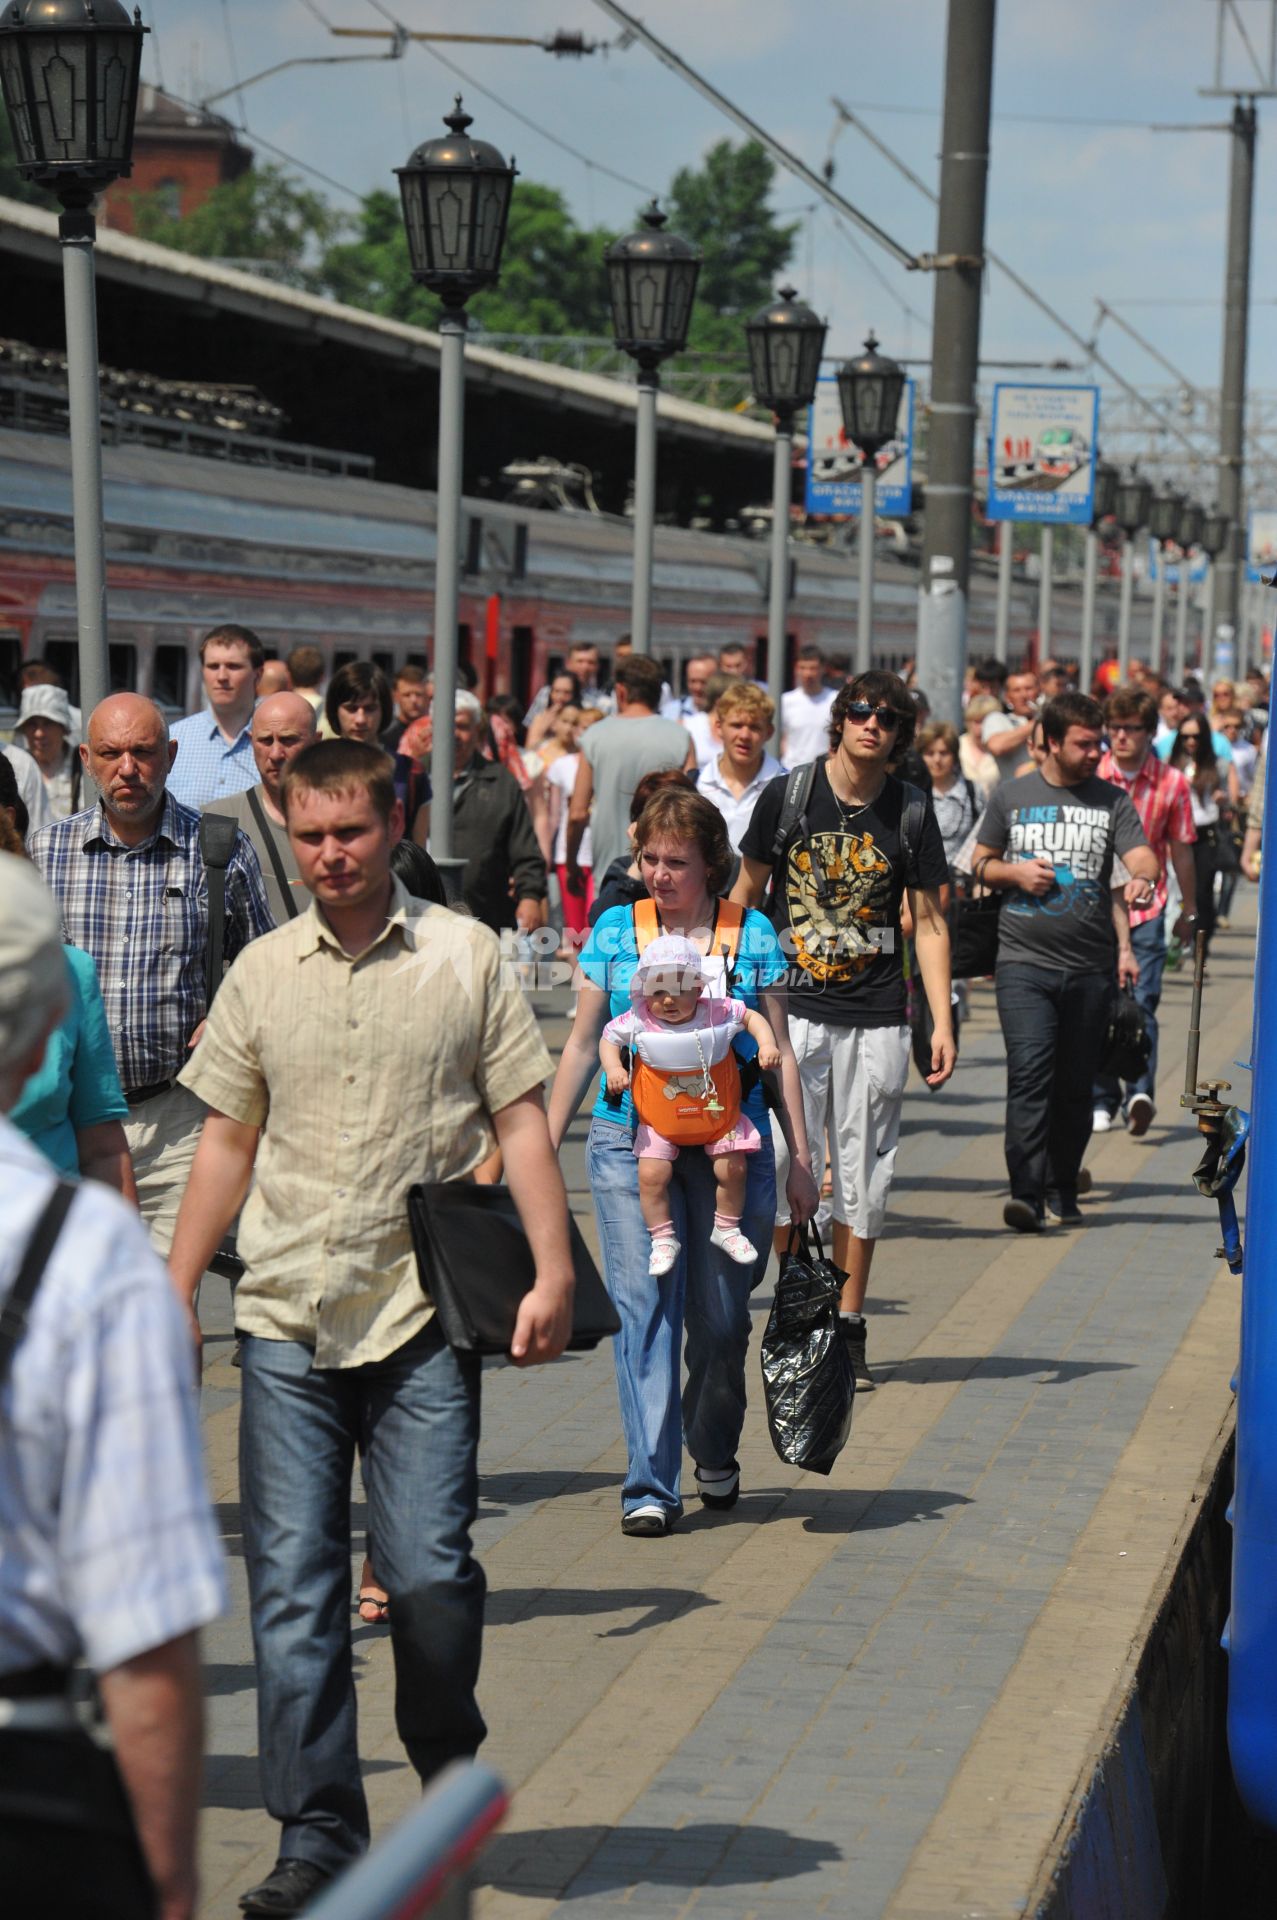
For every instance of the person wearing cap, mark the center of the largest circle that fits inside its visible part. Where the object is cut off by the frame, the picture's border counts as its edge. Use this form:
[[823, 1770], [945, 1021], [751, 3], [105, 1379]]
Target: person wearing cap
[[131, 878], [110, 1554], [44, 727]]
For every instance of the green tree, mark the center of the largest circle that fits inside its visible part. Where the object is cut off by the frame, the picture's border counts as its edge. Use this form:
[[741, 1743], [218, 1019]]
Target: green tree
[[722, 205], [12, 185], [551, 274], [263, 218]]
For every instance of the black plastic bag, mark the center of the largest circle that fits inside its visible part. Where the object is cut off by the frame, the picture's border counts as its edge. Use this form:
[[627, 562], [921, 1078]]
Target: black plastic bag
[[807, 1375], [1128, 1044], [973, 936]]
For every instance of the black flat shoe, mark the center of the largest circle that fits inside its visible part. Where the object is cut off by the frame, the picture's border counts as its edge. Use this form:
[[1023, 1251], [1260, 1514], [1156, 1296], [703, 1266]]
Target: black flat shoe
[[288, 1888]]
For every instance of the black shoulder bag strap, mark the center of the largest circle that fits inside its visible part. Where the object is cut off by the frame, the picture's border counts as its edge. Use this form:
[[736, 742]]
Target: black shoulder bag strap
[[17, 1308], [793, 813], [272, 847], [913, 815], [218, 833]]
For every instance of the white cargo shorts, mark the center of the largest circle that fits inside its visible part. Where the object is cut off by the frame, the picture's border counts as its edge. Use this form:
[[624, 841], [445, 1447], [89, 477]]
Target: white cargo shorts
[[853, 1081]]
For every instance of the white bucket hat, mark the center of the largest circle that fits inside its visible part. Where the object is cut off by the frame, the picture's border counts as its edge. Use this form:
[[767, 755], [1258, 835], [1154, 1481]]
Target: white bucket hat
[[44, 703]]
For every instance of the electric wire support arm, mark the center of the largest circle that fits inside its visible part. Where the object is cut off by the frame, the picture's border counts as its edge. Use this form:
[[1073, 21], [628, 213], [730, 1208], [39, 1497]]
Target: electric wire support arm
[[1224, 1129]]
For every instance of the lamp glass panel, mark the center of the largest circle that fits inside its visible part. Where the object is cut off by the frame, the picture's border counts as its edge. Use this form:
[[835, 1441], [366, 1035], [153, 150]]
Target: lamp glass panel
[[618, 281], [647, 302], [813, 345], [115, 67], [784, 365], [61, 100], [13, 81], [490, 223], [449, 201], [760, 378], [681, 290], [414, 220]]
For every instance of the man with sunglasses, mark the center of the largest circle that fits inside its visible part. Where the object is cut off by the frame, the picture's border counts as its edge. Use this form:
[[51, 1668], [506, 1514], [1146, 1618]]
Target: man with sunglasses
[[1161, 798], [839, 867], [1048, 841]]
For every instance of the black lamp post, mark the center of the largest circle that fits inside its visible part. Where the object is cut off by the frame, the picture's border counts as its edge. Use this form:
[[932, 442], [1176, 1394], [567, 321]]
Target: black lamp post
[[1131, 507], [1163, 518], [870, 390], [785, 341], [651, 280], [1103, 501], [456, 203], [1188, 534], [69, 72], [1217, 530]]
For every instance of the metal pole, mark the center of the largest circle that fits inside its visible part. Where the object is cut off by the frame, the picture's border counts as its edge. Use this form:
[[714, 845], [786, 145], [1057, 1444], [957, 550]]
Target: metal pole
[[1181, 624], [1232, 408], [649, 381], [955, 350], [778, 596], [868, 514], [1090, 576], [452, 380], [1159, 610], [1006, 555], [77, 230], [1124, 626], [1046, 557], [1208, 622]]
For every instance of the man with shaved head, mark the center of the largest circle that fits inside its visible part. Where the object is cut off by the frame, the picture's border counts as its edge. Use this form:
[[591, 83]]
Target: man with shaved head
[[282, 726], [134, 893], [275, 678]]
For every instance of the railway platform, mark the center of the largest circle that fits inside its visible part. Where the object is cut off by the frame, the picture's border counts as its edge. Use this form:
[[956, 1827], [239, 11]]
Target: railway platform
[[886, 1693]]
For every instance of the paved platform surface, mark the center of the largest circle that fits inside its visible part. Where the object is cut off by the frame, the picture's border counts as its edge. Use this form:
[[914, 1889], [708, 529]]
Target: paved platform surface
[[866, 1695]]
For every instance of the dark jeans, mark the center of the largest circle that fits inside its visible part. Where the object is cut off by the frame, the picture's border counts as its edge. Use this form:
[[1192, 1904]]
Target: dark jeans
[[1054, 1026], [1149, 943], [417, 1415]]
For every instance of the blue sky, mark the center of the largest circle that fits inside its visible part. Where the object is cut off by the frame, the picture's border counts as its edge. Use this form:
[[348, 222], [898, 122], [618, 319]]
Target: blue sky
[[1113, 211]]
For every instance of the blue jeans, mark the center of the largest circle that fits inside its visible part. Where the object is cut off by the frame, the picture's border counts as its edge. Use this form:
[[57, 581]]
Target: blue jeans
[[705, 1293], [1054, 1027], [417, 1418], [1149, 942]]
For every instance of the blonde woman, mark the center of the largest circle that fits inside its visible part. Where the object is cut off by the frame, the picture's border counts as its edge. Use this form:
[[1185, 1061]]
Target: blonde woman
[[976, 762]]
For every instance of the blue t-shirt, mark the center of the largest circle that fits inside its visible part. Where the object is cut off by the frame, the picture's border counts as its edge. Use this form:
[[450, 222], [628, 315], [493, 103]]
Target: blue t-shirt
[[609, 959], [78, 1084]]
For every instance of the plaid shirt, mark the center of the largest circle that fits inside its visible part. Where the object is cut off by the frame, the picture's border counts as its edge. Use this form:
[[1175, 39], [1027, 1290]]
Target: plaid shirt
[[142, 912], [206, 768], [1161, 798]]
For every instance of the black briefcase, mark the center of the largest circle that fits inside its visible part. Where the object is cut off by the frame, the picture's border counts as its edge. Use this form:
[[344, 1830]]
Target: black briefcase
[[474, 1262]]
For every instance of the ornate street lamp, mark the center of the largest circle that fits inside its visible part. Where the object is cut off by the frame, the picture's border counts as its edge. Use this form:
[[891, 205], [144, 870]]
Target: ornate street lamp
[[456, 203], [1131, 507], [1188, 534], [651, 280], [785, 341], [1103, 502], [69, 74], [870, 390]]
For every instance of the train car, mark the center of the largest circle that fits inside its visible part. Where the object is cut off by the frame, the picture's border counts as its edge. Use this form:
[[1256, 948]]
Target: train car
[[347, 565]]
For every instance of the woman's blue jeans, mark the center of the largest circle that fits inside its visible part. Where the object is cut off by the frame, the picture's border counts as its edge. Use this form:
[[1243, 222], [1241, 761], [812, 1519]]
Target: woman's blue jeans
[[704, 1291], [416, 1415]]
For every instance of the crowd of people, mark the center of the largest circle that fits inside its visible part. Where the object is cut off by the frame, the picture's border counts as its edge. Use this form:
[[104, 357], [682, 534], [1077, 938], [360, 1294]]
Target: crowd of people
[[225, 955]]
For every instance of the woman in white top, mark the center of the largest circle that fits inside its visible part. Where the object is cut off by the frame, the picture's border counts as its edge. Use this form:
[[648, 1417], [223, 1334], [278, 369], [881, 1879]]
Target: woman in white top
[[1211, 786], [956, 799], [565, 691], [560, 758], [976, 762]]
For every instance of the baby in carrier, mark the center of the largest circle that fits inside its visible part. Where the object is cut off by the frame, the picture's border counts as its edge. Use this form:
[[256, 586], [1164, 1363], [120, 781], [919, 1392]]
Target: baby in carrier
[[685, 1085]]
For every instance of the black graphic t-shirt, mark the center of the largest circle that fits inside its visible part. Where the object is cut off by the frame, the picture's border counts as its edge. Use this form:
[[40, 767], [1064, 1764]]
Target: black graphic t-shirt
[[1079, 829], [838, 909]]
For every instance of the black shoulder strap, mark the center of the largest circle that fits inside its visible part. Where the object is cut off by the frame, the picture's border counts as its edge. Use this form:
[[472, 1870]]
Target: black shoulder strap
[[17, 1308], [272, 847], [218, 834], [793, 810], [77, 780], [913, 815]]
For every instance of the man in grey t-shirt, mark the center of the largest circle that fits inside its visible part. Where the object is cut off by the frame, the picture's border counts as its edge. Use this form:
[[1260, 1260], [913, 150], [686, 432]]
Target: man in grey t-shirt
[[615, 755], [1048, 841]]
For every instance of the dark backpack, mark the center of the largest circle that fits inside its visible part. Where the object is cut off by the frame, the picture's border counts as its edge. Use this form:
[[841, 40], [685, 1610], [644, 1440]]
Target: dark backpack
[[218, 834]]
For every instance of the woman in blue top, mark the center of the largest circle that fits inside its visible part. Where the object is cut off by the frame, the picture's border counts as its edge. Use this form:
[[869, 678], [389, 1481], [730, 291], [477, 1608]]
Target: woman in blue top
[[685, 860], [73, 1109]]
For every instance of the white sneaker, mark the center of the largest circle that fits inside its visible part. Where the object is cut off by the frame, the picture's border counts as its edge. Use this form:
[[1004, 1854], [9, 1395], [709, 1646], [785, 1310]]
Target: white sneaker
[[1101, 1121], [665, 1252], [1139, 1115]]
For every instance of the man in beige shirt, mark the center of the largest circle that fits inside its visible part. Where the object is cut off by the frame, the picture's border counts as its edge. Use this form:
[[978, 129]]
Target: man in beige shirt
[[372, 1042]]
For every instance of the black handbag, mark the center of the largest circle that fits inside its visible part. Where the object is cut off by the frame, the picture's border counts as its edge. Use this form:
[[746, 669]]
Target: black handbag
[[808, 1382], [974, 942], [1128, 1044], [475, 1265]]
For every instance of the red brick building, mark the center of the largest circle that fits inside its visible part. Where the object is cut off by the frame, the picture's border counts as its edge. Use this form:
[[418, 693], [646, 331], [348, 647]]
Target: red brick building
[[180, 152]]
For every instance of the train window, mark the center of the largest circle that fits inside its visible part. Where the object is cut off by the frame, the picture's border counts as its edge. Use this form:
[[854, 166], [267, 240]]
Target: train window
[[122, 666], [10, 666], [386, 661], [342, 657], [521, 664], [63, 655], [168, 677], [474, 545]]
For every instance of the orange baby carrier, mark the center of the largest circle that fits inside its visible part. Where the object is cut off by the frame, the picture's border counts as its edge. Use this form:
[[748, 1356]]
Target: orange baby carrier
[[694, 1107]]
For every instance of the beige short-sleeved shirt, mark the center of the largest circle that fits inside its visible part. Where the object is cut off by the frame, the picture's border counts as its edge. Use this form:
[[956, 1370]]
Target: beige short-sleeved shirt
[[365, 1074]]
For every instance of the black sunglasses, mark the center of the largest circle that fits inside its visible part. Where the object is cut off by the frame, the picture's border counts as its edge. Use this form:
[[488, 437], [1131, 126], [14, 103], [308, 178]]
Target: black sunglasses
[[887, 717]]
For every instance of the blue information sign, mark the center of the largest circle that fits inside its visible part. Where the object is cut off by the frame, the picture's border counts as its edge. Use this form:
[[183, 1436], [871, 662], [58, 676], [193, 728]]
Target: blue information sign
[[1042, 454], [834, 464]]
